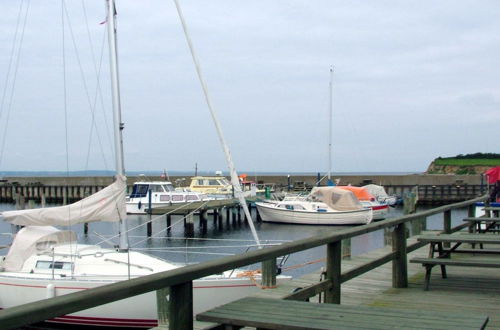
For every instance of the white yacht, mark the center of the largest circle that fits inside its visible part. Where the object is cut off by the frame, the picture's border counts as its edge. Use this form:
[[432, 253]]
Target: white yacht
[[151, 194]]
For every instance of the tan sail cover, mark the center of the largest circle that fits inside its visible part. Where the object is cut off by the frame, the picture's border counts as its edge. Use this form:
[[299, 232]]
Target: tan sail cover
[[107, 204], [376, 190], [31, 240], [336, 198]]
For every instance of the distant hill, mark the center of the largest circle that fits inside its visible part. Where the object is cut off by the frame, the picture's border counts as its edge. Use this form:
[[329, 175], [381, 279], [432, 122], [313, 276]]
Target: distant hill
[[464, 164]]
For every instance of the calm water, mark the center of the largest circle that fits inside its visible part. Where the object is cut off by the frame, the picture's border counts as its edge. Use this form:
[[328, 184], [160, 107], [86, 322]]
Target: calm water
[[232, 239]]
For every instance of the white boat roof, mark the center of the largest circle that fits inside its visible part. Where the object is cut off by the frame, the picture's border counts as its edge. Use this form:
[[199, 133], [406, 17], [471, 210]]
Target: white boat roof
[[153, 182]]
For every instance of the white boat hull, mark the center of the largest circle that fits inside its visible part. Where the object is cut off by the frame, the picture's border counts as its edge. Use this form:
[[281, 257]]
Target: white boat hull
[[269, 213], [138, 311]]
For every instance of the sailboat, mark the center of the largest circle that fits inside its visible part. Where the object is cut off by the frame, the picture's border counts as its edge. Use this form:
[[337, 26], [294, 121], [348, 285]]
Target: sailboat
[[44, 261]]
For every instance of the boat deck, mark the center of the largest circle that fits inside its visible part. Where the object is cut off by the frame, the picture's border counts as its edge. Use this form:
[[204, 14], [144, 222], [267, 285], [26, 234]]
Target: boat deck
[[468, 290]]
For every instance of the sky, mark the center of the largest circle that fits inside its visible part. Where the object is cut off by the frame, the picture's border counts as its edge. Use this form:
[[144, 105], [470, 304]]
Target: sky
[[413, 81]]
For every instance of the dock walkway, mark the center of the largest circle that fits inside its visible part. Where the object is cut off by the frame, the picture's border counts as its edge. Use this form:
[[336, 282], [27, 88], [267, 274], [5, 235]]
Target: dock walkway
[[465, 290]]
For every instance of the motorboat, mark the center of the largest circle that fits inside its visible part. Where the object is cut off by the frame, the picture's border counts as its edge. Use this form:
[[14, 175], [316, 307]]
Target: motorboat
[[323, 206], [152, 194], [381, 195], [380, 209]]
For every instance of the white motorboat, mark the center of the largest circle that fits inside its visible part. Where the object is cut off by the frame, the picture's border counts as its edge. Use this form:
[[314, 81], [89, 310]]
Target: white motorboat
[[44, 261], [323, 206], [156, 194], [381, 195]]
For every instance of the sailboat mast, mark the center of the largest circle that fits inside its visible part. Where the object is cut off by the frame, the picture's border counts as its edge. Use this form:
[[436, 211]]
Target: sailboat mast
[[117, 120], [232, 170], [330, 127]]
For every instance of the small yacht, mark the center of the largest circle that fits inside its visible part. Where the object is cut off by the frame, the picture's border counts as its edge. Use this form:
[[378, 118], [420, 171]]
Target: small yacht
[[158, 193]]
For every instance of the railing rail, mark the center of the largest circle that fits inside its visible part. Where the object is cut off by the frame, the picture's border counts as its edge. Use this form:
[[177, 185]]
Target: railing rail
[[179, 281]]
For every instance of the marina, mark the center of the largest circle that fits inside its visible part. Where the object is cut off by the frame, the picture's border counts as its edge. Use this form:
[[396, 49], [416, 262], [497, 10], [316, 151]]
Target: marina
[[92, 242], [367, 281]]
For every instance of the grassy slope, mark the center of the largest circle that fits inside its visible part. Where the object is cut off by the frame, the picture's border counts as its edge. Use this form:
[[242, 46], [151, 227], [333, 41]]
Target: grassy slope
[[467, 162]]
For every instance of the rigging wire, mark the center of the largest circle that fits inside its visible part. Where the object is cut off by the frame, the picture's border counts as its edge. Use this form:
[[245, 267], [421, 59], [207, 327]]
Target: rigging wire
[[14, 55], [98, 91]]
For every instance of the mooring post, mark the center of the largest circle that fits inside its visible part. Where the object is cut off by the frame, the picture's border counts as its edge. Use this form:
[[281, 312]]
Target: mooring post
[[399, 263], [169, 222], [269, 273], [180, 307], [189, 225], [333, 271]]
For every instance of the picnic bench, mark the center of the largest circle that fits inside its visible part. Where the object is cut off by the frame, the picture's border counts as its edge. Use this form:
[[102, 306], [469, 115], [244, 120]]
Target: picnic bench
[[483, 224], [267, 313], [443, 257]]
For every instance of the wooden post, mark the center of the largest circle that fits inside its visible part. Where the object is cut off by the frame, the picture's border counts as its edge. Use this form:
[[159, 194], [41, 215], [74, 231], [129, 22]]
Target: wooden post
[[180, 307], [333, 271], [162, 296], [399, 263], [269, 273], [169, 222], [189, 225], [447, 225]]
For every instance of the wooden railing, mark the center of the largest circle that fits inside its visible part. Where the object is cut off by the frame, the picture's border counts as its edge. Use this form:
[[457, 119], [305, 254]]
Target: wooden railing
[[178, 282]]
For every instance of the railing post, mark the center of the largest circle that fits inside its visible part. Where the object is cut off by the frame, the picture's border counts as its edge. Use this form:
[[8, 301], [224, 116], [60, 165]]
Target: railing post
[[162, 306], [447, 225], [399, 264], [269, 273], [333, 271], [180, 307]]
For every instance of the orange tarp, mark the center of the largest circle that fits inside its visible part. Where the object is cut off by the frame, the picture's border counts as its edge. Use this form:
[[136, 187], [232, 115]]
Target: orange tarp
[[361, 193]]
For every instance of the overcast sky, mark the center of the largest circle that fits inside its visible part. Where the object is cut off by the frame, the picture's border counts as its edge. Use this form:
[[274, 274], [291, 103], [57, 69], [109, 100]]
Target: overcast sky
[[414, 80]]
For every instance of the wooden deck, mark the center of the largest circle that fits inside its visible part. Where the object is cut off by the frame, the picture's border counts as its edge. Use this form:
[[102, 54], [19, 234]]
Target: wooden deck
[[471, 290]]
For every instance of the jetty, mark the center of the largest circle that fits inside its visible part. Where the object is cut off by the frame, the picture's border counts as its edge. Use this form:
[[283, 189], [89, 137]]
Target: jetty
[[385, 287], [433, 189]]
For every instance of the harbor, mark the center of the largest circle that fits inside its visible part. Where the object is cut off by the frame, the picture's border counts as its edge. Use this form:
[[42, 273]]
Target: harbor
[[367, 279], [327, 169]]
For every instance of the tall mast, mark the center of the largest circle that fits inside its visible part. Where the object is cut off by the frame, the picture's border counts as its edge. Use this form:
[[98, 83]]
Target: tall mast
[[117, 116], [232, 170], [330, 128]]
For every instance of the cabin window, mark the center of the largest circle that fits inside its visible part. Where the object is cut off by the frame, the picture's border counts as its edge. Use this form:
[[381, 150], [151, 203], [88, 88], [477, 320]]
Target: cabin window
[[214, 183], [139, 190], [177, 198], [191, 198], [155, 188], [289, 207], [165, 198], [43, 264]]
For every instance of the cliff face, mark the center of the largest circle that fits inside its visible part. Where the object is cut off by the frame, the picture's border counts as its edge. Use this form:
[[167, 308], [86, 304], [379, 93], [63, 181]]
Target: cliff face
[[453, 169]]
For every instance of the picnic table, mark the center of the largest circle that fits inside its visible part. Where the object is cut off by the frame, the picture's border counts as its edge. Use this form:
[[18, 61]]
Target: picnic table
[[443, 257], [266, 313], [483, 224]]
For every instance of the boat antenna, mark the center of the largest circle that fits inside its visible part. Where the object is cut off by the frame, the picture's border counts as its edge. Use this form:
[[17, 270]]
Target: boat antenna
[[232, 170], [117, 120], [330, 182]]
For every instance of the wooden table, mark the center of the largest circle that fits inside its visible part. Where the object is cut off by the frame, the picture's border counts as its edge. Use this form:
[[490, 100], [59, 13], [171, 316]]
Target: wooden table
[[265, 313], [443, 259], [490, 224]]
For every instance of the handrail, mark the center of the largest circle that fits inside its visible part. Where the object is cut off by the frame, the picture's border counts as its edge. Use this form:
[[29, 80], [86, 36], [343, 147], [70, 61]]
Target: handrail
[[178, 278]]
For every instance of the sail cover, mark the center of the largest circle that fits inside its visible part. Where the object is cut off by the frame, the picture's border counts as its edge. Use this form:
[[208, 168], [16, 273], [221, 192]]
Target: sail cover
[[336, 198], [107, 204]]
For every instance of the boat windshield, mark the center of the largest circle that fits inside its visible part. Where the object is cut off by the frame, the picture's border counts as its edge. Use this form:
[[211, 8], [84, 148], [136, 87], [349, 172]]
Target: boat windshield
[[168, 187], [139, 190]]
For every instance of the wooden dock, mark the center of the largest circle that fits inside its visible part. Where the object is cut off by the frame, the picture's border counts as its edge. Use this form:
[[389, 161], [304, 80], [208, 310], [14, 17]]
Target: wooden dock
[[466, 290]]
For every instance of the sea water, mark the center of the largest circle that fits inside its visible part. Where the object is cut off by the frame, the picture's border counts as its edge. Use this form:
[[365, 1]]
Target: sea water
[[233, 238]]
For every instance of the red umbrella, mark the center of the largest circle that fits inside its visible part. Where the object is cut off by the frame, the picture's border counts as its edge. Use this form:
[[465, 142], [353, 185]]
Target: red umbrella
[[493, 174]]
